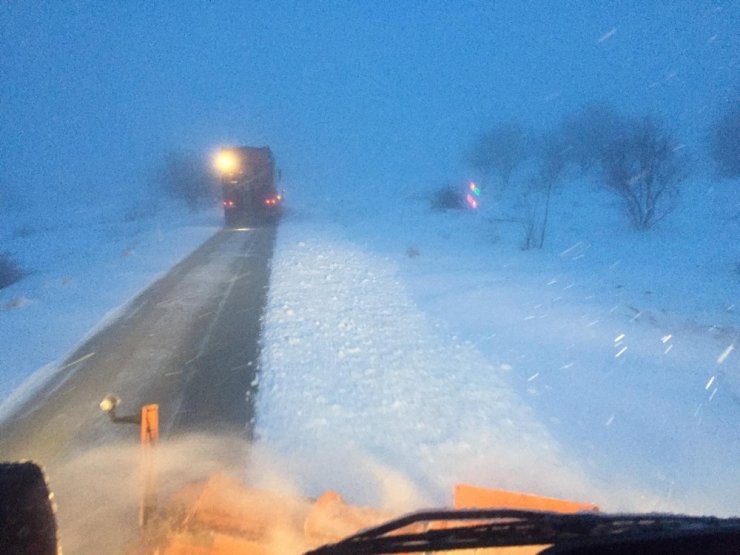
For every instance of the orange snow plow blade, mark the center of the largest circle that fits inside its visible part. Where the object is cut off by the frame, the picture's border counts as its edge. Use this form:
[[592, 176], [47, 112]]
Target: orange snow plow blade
[[474, 497], [332, 519], [223, 517]]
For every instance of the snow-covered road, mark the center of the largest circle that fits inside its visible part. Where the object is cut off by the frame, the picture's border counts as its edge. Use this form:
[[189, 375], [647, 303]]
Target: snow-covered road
[[189, 343]]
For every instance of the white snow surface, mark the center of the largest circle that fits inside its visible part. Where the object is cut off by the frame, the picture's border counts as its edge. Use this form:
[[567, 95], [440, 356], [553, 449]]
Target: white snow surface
[[405, 350], [353, 368]]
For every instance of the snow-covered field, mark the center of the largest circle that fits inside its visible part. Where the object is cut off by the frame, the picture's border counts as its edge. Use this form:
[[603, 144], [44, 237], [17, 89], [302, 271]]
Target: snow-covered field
[[405, 350]]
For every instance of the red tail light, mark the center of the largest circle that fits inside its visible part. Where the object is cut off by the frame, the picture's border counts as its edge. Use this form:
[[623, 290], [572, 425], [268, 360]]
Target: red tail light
[[229, 203]]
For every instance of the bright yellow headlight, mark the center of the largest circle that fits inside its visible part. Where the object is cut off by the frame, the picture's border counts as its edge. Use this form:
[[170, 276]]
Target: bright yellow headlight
[[227, 162]]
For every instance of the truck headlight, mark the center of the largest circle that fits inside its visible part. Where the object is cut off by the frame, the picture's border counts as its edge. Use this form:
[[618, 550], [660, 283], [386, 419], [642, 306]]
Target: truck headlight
[[226, 162]]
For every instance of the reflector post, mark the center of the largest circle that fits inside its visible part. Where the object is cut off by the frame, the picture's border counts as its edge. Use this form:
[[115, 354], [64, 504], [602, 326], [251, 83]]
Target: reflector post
[[149, 432]]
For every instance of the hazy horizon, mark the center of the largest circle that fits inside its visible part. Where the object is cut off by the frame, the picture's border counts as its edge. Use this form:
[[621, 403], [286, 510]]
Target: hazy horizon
[[347, 94]]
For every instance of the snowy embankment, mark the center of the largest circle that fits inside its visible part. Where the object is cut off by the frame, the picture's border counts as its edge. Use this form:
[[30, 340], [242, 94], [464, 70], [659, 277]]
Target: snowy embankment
[[409, 352], [82, 272]]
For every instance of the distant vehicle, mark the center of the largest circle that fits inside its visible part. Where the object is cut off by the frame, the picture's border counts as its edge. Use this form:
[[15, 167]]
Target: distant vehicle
[[248, 178]]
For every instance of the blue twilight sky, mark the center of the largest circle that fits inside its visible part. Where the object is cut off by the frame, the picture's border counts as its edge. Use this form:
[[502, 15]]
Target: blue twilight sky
[[348, 94]]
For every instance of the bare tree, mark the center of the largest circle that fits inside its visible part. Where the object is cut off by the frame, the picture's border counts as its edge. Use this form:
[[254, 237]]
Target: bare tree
[[551, 162], [724, 142], [10, 271], [447, 197], [589, 132], [500, 150], [644, 165], [186, 176]]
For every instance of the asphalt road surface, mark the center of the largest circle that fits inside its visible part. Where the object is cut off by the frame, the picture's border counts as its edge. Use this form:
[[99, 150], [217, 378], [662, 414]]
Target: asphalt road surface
[[189, 343]]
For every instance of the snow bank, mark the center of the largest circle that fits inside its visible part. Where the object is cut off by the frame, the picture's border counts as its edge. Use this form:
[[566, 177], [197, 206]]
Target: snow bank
[[356, 377]]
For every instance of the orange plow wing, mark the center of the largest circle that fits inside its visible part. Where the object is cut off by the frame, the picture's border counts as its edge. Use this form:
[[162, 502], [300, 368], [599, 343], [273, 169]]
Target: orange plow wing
[[224, 517], [474, 497]]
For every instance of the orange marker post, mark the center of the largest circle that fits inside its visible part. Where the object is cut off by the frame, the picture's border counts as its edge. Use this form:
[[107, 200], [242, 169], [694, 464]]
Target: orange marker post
[[149, 437]]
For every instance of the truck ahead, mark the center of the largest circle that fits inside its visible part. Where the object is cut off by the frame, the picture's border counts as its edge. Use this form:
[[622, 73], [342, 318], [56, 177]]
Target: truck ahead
[[248, 185]]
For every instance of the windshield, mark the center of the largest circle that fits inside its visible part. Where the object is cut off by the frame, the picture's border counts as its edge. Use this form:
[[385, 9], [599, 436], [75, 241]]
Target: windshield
[[380, 250]]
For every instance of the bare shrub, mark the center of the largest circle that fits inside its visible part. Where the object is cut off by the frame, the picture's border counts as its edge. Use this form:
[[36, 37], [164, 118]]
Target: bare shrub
[[186, 176], [24, 230], [551, 152], [589, 132], [724, 143], [140, 210], [447, 197], [17, 302], [644, 165], [10, 271], [501, 150]]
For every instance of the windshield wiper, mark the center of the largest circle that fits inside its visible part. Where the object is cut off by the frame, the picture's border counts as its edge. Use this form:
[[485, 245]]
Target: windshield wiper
[[569, 533]]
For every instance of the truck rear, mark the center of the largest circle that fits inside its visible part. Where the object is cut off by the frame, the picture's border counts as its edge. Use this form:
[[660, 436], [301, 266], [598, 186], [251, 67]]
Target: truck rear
[[248, 185]]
